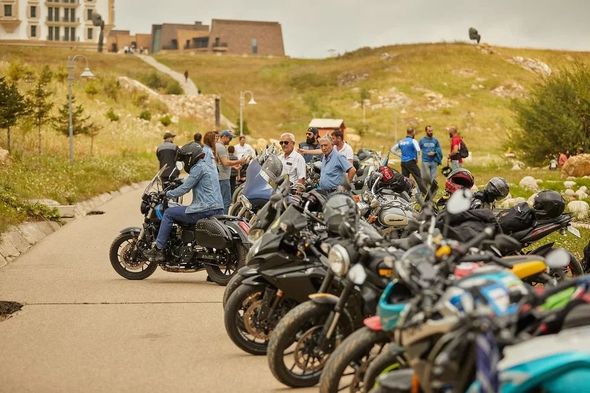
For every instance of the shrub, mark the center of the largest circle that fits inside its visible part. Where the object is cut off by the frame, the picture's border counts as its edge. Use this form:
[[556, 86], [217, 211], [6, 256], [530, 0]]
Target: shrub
[[17, 71], [157, 106], [111, 87], [61, 74], [153, 81], [91, 89], [111, 115], [165, 120], [145, 115], [174, 88], [139, 99]]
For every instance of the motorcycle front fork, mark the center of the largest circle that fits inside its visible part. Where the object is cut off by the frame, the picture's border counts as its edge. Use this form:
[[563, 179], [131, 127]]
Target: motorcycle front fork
[[334, 317]]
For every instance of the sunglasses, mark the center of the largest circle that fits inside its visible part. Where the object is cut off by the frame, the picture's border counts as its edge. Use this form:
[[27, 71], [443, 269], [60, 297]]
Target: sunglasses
[[309, 134], [282, 143]]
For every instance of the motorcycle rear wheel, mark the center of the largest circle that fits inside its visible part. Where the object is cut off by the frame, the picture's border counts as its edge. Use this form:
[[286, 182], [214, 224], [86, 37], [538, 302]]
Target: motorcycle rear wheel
[[222, 273], [129, 261]]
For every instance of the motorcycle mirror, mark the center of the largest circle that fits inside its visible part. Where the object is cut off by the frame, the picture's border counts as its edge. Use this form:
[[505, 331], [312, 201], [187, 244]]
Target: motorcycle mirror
[[179, 165], [460, 201], [558, 258], [357, 274]]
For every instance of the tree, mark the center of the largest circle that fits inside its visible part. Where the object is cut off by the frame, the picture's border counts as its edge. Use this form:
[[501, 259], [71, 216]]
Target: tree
[[39, 102], [555, 117], [12, 106], [474, 35], [81, 124]]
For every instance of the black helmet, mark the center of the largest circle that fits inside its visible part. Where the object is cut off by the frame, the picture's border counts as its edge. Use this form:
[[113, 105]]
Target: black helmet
[[338, 208], [189, 154], [446, 171], [548, 204], [497, 188]]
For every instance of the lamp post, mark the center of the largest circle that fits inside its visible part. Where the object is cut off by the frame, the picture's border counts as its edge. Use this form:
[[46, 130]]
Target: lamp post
[[251, 102], [85, 74]]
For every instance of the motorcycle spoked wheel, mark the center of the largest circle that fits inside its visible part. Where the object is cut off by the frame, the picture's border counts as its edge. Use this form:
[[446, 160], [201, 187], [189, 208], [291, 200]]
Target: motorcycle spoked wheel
[[128, 260], [346, 367], [294, 354], [228, 263], [242, 323], [387, 361]]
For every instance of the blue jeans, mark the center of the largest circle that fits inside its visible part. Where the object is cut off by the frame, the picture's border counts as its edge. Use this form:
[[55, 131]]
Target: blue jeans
[[225, 194], [429, 171], [178, 214]]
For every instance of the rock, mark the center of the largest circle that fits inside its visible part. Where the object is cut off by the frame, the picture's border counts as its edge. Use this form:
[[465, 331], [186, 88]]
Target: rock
[[4, 156], [510, 202], [31, 232], [17, 240], [583, 189], [577, 166], [531, 200], [569, 192], [581, 195], [569, 184], [516, 167], [532, 65], [7, 249], [529, 182], [579, 209], [66, 211], [509, 90]]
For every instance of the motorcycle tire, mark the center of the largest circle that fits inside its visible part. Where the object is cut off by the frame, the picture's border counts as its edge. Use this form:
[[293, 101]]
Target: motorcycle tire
[[221, 274], [574, 269], [300, 328], [243, 301], [346, 366], [231, 286], [127, 240], [390, 359], [577, 317]]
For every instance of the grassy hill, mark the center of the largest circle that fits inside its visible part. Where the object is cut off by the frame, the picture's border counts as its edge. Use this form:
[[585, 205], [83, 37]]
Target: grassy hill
[[439, 84]]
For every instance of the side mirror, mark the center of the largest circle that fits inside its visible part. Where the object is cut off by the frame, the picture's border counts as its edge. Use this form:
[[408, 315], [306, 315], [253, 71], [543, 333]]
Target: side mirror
[[460, 201], [558, 258], [179, 165]]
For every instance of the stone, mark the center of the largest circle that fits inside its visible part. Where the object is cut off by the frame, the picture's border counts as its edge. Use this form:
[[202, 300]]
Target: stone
[[45, 227], [569, 184], [531, 200], [583, 189], [7, 249], [54, 225], [579, 209], [17, 239], [3, 262], [581, 195], [44, 202], [529, 182], [4, 156], [66, 211], [569, 192], [577, 166], [31, 233], [516, 167]]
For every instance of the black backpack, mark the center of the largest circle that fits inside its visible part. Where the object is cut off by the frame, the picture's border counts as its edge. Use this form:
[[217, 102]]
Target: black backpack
[[463, 150], [517, 218]]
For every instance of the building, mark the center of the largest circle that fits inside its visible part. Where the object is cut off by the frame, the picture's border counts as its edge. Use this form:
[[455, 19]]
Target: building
[[326, 126], [54, 22], [239, 37], [118, 40]]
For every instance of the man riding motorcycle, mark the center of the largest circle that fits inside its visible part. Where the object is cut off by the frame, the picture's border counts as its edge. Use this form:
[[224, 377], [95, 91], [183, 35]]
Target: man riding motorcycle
[[207, 201]]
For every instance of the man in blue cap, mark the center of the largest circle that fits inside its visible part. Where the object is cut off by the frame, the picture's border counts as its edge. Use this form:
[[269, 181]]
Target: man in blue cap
[[224, 165]]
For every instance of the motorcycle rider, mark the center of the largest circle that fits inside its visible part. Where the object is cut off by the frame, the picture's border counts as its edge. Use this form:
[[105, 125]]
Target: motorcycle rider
[[166, 153], [293, 162], [408, 149], [311, 143], [204, 182], [334, 166]]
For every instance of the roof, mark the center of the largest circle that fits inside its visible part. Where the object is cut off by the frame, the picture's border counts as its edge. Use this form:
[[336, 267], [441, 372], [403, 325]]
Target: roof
[[243, 22], [326, 123]]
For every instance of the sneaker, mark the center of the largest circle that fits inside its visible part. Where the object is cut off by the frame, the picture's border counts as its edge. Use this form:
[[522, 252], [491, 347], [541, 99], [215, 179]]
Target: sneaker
[[155, 255]]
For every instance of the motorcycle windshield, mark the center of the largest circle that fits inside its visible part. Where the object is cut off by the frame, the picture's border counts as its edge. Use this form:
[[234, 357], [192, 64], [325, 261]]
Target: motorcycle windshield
[[292, 220], [156, 181], [255, 187]]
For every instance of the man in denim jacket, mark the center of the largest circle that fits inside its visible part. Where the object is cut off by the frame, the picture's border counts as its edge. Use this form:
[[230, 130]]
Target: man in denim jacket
[[431, 155], [204, 182]]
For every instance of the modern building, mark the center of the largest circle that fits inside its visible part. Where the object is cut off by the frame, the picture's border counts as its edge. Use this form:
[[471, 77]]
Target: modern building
[[118, 40], [54, 22], [172, 36]]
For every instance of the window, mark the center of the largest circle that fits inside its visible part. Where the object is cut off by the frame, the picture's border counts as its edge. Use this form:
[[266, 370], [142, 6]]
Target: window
[[56, 14], [89, 13], [254, 46], [50, 14], [33, 12], [66, 14], [50, 34], [7, 9], [90, 33], [56, 33], [73, 15], [217, 41], [33, 31], [67, 34], [72, 34]]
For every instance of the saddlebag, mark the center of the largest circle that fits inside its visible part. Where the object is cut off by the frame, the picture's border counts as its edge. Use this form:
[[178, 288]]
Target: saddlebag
[[517, 218], [212, 233]]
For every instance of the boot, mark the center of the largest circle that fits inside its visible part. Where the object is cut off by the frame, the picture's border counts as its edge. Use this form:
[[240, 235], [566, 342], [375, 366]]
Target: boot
[[155, 255]]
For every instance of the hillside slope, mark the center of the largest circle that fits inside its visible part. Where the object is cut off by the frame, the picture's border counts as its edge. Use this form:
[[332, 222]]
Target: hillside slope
[[439, 84]]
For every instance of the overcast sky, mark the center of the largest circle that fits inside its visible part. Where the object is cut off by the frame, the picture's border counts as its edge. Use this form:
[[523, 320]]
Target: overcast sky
[[316, 28]]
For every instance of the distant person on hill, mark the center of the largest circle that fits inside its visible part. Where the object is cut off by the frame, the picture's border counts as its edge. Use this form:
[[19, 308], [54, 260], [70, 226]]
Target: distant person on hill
[[454, 155], [198, 137], [166, 153], [408, 150], [310, 144], [243, 149], [431, 155], [186, 76], [341, 146]]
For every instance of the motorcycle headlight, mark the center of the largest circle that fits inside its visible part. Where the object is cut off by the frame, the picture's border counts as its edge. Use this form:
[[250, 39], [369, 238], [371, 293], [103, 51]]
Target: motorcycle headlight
[[339, 260], [255, 234]]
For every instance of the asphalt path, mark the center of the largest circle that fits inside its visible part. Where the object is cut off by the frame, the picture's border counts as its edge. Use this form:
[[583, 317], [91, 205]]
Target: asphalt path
[[83, 328]]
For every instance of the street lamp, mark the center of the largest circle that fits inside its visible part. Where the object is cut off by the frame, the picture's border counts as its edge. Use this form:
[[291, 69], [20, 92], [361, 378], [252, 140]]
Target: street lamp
[[251, 102], [85, 74]]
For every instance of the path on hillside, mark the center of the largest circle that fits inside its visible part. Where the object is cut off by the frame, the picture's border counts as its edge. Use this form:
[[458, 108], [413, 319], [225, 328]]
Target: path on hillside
[[85, 329]]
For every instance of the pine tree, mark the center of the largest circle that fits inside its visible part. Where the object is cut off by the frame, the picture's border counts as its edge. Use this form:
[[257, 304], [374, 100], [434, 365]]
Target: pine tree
[[39, 102], [12, 107], [81, 124]]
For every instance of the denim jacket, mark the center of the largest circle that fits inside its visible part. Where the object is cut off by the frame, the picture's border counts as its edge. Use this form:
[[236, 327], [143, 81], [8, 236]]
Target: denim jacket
[[204, 182]]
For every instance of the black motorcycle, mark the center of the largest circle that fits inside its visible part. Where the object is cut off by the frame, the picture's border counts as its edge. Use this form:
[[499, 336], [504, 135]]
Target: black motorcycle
[[217, 244]]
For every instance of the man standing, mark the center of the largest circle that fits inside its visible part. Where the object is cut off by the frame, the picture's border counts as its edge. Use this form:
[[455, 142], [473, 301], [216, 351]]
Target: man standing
[[341, 146], [431, 155], [311, 143], [244, 150], [198, 138], [293, 162], [334, 167], [224, 165], [408, 149], [166, 153], [454, 155]]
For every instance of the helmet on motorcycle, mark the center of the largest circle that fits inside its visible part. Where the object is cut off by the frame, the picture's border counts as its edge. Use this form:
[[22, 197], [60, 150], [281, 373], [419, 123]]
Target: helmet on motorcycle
[[497, 188], [391, 304], [190, 154], [338, 208], [387, 174], [363, 154], [459, 179], [272, 168], [548, 204]]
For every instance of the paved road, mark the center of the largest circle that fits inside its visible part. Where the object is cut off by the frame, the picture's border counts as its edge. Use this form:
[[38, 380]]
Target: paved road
[[189, 87], [85, 329]]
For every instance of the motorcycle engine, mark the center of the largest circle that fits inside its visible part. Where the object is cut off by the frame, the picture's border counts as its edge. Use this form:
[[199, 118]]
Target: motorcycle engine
[[394, 213]]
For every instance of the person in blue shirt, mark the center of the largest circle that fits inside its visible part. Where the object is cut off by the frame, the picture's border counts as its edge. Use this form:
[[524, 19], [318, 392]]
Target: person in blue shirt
[[408, 150], [431, 155], [334, 167], [204, 182]]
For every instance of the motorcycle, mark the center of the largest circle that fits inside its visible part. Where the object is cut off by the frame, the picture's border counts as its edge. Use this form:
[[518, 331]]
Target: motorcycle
[[217, 244]]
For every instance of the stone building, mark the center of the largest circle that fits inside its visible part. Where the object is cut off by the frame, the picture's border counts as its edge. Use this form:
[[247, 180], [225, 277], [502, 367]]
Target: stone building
[[118, 40], [172, 36], [54, 22]]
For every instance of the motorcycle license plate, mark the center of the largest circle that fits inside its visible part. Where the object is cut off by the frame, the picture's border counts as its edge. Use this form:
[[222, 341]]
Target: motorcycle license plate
[[573, 231]]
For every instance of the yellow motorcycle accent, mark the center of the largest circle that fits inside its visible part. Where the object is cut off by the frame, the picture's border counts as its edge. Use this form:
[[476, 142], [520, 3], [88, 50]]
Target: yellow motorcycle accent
[[527, 266]]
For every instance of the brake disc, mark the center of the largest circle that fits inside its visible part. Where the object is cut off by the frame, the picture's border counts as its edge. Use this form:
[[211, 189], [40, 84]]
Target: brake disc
[[250, 316], [307, 347], [128, 261]]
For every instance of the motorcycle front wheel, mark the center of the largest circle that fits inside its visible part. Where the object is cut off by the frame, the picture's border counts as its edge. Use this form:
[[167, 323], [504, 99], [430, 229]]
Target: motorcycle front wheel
[[390, 359], [298, 350], [231, 286], [128, 260]]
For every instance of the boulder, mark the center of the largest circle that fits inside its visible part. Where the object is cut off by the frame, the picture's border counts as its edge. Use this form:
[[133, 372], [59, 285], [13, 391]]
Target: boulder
[[531, 200], [569, 184], [577, 166], [569, 192], [579, 209], [529, 182], [510, 202], [583, 189], [581, 194]]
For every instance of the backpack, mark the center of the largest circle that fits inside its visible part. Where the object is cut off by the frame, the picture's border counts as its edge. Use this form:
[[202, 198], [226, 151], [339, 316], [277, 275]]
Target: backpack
[[517, 218], [463, 150]]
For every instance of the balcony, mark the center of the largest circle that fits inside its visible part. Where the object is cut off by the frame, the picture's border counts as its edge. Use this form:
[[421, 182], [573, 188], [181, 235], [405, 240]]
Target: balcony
[[63, 21], [62, 3], [9, 23], [219, 47]]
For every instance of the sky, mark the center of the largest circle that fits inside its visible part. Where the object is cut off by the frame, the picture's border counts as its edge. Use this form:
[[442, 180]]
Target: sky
[[321, 28]]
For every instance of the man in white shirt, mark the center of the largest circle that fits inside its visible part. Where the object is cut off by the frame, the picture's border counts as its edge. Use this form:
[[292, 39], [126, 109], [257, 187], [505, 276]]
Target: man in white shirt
[[244, 150], [341, 146], [293, 162]]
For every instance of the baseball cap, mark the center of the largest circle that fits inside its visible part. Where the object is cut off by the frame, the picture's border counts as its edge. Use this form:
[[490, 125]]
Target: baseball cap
[[313, 130], [168, 134], [227, 133]]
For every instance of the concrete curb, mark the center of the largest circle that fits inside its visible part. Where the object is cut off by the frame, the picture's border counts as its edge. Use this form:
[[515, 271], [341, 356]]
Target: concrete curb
[[19, 239]]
